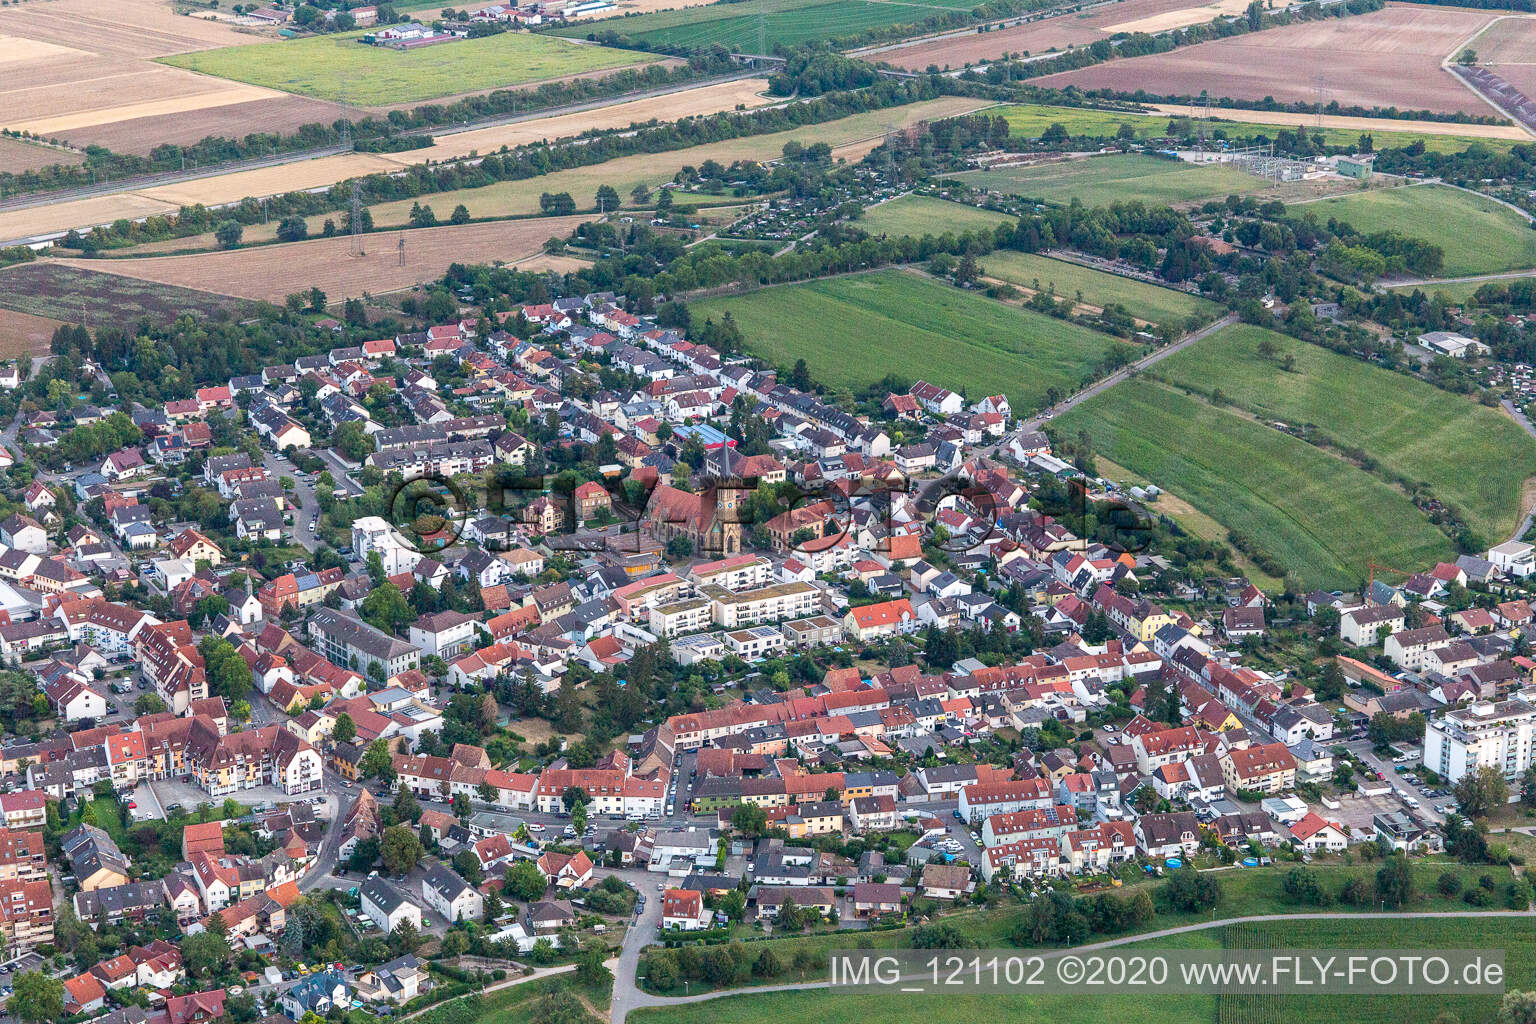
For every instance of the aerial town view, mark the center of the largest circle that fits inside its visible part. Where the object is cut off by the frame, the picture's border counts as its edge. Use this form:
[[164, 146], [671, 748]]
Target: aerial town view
[[768, 511]]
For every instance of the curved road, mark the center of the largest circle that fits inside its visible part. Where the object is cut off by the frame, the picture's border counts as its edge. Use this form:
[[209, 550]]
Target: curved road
[[627, 995]]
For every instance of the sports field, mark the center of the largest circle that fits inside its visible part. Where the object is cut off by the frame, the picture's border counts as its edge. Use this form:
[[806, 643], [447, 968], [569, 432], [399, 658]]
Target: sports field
[[1471, 456], [924, 215], [341, 67], [852, 331], [1030, 119], [770, 23], [1099, 181], [1145, 301], [1319, 515], [1479, 236]]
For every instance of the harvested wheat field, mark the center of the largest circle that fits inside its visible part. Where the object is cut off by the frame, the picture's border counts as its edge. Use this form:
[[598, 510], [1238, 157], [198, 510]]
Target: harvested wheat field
[[1364, 124], [709, 99], [19, 225], [123, 28], [1059, 33], [1511, 39], [17, 156], [22, 334], [81, 71], [273, 271], [266, 181], [142, 134], [1387, 58]]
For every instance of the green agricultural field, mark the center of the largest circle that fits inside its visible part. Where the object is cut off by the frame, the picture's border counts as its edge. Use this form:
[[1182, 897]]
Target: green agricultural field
[[749, 24], [924, 215], [340, 67], [1516, 937], [1471, 456], [1030, 119], [1316, 513], [852, 331], [1099, 181], [1478, 235], [1147, 301]]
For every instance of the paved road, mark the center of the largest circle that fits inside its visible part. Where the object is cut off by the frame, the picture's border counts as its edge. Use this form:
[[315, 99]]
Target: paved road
[[339, 469], [1125, 371], [627, 995], [303, 493], [341, 800]]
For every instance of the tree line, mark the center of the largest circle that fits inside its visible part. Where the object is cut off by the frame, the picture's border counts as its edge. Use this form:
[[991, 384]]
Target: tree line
[[368, 134]]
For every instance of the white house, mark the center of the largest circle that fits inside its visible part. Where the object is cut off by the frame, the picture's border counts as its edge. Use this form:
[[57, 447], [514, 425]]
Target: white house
[[386, 907], [451, 896]]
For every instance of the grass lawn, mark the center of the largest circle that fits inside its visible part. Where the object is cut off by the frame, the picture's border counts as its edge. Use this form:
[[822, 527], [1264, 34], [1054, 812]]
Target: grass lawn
[[852, 331], [105, 815], [1478, 235], [1099, 181], [1314, 512], [924, 215], [340, 67], [1471, 456], [783, 22], [1147, 301], [1030, 119]]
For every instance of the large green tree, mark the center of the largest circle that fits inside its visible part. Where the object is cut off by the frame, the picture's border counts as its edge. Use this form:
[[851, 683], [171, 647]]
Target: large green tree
[[37, 997]]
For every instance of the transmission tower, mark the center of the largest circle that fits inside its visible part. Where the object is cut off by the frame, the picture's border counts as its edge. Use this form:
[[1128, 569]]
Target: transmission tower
[[1320, 86], [762, 28], [356, 245], [401, 249]]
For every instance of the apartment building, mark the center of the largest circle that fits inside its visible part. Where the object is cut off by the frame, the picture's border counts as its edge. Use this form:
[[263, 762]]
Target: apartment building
[[772, 603], [1497, 735]]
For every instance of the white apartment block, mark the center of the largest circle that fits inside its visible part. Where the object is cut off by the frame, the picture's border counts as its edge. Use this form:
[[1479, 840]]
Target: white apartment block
[[1498, 735], [690, 615], [743, 572], [772, 603], [371, 533], [755, 642]]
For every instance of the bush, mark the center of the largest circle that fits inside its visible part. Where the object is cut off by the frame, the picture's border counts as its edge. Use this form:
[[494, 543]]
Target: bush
[[1449, 883]]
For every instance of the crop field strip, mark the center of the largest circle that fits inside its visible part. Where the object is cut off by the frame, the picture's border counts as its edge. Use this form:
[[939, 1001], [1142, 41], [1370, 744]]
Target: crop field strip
[[1319, 515], [83, 72], [52, 290], [1470, 455], [1147, 301], [1076, 28], [1030, 119], [273, 271], [853, 330], [1386, 58], [341, 67], [783, 22]]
